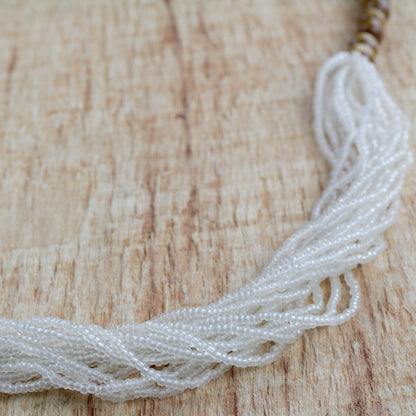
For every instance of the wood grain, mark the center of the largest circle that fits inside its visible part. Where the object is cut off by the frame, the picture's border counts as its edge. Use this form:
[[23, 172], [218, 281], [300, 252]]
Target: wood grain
[[154, 154]]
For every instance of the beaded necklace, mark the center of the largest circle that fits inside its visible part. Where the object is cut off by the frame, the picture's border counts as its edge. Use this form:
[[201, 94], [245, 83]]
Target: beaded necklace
[[364, 136]]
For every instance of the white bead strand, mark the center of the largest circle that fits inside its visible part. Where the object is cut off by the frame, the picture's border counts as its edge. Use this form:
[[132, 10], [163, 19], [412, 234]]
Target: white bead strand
[[364, 136]]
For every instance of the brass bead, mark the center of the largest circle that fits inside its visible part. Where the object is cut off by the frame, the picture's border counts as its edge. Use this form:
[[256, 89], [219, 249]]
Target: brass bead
[[368, 38], [382, 5], [374, 12], [370, 32], [364, 49], [372, 25]]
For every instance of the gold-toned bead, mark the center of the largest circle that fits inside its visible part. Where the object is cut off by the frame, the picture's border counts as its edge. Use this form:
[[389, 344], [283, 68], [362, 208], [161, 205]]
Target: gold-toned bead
[[373, 11], [368, 38], [372, 25], [364, 49], [382, 5]]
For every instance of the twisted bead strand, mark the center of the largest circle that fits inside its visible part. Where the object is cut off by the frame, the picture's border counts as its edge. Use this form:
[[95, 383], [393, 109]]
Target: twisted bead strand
[[364, 137]]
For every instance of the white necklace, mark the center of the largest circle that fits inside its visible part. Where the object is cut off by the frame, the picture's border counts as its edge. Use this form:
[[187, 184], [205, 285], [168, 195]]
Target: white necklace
[[364, 136]]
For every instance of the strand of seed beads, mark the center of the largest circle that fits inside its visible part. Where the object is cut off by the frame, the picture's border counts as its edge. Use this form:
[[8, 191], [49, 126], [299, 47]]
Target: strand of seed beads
[[370, 30]]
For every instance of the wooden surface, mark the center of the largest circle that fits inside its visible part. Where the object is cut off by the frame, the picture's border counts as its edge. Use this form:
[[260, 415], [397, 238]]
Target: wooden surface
[[154, 154]]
